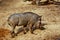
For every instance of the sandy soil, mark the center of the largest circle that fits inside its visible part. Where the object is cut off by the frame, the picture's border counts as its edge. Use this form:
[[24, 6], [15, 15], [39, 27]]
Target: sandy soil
[[50, 15]]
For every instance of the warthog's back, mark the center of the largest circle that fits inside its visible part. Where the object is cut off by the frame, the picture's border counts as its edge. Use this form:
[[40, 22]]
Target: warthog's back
[[23, 18]]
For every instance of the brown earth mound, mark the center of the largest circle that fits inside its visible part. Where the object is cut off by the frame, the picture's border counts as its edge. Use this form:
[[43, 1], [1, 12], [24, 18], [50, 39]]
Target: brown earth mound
[[4, 34]]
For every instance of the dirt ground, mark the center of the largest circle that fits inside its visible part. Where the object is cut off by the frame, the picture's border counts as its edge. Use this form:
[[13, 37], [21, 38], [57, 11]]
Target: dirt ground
[[50, 16]]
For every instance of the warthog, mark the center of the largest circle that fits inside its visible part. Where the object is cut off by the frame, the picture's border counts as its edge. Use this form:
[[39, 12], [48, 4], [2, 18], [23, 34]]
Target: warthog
[[26, 19]]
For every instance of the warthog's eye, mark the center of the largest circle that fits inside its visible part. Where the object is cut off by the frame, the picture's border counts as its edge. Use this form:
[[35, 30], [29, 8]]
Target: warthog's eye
[[8, 23]]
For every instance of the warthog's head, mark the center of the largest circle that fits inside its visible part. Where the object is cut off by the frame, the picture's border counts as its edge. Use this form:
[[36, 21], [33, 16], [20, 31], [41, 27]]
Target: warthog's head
[[38, 24]]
